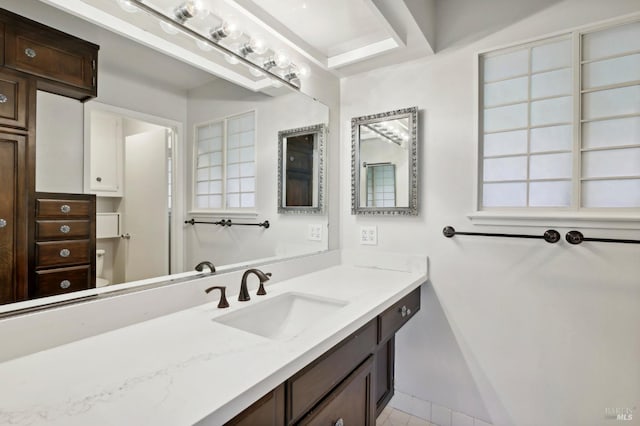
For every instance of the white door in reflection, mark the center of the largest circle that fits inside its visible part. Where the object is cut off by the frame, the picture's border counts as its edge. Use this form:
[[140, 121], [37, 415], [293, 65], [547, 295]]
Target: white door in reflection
[[145, 209]]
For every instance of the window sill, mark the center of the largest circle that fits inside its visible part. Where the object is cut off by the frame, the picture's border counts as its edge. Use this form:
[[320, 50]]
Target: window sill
[[223, 214], [559, 220]]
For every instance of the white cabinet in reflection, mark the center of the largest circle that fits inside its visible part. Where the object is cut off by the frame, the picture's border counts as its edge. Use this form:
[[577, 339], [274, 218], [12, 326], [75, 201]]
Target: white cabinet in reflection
[[103, 174]]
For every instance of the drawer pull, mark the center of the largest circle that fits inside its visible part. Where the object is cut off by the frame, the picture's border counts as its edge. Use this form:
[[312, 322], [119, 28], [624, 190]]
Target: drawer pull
[[30, 52], [65, 229], [339, 422], [403, 311], [98, 179], [65, 253], [65, 208], [3, 223], [65, 284], [3, 98]]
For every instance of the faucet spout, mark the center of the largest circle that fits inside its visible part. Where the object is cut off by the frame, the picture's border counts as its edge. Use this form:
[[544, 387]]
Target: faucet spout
[[263, 277], [200, 266]]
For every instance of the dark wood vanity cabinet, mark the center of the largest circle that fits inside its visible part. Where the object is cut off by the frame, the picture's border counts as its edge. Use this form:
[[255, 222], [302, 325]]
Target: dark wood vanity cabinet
[[36, 57], [64, 250], [350, 384]]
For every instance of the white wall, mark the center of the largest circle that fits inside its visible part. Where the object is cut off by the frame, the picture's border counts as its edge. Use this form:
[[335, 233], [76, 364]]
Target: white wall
[[511, 331], [287, 234]]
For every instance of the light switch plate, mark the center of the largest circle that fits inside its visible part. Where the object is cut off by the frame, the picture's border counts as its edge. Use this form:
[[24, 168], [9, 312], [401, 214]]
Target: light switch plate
[[315, 232], [369, 235]]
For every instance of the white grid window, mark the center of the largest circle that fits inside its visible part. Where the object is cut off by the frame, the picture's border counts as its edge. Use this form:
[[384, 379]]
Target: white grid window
[[226, 163], [551, 141], [381, 185]]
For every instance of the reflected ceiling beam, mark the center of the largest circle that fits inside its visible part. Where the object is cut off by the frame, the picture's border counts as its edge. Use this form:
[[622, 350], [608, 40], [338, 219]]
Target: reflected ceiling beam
[[105, 20], [424, 14]]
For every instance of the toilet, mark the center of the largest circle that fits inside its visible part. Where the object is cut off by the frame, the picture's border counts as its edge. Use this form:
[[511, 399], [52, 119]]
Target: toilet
[[100, 282]]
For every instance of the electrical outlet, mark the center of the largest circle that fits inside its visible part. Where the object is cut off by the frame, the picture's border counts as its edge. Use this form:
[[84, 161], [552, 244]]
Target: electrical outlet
[[369, 235], [315, 232]]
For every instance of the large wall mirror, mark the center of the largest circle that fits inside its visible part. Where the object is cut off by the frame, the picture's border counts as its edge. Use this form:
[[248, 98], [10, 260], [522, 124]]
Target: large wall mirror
[[384, 163], [301, 158], [143, 148]]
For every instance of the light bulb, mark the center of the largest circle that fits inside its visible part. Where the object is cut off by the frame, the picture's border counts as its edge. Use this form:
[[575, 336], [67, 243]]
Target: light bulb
[[127, 6], [168, 28], [304, 70], [257, 45], [188, 10], [230, 58], [256, 72], [282, 60], [204, 46]]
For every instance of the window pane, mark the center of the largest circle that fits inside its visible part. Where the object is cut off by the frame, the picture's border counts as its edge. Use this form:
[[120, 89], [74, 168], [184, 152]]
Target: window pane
[[614, 162], [203, 160], [247, 184], [246, 139], [506, 65], [509, 168], [611, 193], [233, 185], [233, 171], [246, 154], [215, 201], [233, 201], [505, 118], [202, 201], [550, 194], [247, 122], [605, 103], [203, 174], [202, 188], [611, 71], [215, 159], [505, 143], [622, 131], [504, 194], [551, 111], [613, 41], [215, 172], [553, 83], [554, 138], [233, 125], [233, 156], [248, 200], [215, 187], [247, 170], [507, 91], [550, 56], [549, 166]]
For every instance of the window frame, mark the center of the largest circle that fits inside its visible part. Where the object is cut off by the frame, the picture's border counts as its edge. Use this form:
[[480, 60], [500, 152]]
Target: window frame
[[224, 211], [573, 215]]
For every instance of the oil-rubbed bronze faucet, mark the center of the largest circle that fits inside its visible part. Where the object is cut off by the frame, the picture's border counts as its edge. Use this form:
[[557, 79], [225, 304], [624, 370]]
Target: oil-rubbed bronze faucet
[[200, 266], [223, 303], [244, 293]]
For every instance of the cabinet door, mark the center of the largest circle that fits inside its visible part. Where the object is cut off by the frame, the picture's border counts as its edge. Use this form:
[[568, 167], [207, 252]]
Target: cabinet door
[[385, 357], [349, 404], [13, 217], [13, 100], [104, 145]]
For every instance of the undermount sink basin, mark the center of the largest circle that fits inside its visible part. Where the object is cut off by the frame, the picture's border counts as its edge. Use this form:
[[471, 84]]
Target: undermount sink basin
[[282, 317]]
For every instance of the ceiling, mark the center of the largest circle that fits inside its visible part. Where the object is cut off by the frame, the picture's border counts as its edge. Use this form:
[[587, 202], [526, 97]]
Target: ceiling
[[339, 37]]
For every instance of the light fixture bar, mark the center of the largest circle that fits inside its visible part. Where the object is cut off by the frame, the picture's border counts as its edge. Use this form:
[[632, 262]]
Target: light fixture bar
[[196, 35]]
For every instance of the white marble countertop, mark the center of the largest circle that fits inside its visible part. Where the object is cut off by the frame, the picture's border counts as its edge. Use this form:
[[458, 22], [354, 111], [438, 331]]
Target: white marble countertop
[[183, 368]]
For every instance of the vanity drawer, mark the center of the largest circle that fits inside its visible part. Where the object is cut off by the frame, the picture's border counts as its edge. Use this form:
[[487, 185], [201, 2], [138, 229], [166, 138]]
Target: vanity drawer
[[62, 280], [57, 253], [52, 55], [349, 404], [46, 208], [13, 100], [50, 229], [399, 313], [311, 384]]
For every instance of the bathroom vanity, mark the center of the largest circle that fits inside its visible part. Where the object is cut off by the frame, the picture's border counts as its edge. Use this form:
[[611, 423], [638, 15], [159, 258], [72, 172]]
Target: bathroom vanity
[[317, 347]]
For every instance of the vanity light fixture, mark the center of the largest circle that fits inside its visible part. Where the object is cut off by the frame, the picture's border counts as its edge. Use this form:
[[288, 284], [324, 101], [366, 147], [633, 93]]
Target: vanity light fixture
[[174, 21]]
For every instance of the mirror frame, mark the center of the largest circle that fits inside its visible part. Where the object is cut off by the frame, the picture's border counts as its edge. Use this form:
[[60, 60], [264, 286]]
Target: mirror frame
[[412, 210], [320, 130]]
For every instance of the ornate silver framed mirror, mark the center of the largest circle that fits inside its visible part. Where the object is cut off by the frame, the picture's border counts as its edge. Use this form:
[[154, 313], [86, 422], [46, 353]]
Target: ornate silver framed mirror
[[384, 163], [301, 158]]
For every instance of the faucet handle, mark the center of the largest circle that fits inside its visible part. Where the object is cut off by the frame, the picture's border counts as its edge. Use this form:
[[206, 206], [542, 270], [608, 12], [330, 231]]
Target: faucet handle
[[223, 303], [261, 291]]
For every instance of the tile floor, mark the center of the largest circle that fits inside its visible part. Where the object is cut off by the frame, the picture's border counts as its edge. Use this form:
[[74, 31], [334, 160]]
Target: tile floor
[[392, 417]]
